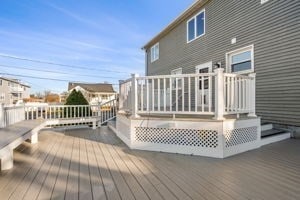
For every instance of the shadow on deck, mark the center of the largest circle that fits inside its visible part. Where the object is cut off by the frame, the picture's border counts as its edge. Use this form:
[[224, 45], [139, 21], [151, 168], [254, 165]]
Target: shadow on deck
[[95, 164]]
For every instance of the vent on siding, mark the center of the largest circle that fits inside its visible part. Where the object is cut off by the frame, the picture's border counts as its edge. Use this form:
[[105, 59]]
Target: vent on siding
[[186, 137], [240, 136]]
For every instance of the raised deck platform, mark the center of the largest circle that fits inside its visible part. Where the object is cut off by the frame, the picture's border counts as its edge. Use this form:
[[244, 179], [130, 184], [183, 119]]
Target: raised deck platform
[[192, 136], [94, 164]]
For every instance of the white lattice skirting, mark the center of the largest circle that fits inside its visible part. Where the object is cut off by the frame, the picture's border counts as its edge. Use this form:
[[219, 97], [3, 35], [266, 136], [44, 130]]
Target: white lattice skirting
[[197, 137]]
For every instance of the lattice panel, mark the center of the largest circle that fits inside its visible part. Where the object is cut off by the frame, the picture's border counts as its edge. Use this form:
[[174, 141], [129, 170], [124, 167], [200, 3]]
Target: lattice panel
[[186, 137], [240, 136]]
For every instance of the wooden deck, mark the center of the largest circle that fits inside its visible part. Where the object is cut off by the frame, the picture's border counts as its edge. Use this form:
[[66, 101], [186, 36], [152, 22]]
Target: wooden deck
[[94, 164]]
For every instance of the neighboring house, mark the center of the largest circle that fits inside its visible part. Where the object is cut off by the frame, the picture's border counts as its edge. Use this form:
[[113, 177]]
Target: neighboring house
[[62, 97], [95, 93], [12, 91], [261, 36]]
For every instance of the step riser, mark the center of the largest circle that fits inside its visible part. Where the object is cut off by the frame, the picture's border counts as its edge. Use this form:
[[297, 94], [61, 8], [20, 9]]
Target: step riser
[[266, 127], [275, 138]]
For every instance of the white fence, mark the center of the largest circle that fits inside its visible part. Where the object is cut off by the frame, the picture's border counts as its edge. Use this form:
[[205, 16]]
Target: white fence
[[215, 94], [104, 112], [11, 114]]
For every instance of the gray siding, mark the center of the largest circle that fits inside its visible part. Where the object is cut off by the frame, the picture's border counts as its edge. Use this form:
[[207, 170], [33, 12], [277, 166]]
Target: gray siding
[[274, 30]]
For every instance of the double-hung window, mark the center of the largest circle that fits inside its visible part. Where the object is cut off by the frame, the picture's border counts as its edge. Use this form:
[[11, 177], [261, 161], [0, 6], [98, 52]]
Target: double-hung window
[[155, 52], [196, 26], [241, 60]]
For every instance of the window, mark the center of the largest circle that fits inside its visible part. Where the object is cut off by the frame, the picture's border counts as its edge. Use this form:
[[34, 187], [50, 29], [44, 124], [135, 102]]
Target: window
[[196, 26], [241, 60], [0, 82], [155, 52], [104, 97], [2, 96], [176, 82], [205, 79]]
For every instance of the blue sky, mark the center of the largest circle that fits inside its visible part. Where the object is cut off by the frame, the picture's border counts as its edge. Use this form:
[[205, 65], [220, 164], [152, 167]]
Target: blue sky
[[105, 35]]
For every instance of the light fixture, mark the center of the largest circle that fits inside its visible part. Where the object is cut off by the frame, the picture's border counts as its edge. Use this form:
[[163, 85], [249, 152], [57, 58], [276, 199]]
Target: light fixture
[[217, 65]]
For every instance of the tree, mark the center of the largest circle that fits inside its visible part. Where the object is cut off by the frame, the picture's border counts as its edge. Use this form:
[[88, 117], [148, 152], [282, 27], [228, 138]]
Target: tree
[[77, 98]]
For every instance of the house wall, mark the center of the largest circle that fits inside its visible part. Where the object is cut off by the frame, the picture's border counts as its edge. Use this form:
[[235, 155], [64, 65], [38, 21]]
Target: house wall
[[6, 89], [273, 28]]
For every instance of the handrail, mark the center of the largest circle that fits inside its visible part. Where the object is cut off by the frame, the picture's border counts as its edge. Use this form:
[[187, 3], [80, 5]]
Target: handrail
[[216, 94], [175, 76]]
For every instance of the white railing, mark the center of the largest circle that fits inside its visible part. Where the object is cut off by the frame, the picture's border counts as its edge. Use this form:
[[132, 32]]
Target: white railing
[[11, 114], [215, 94], [174, 94], [238, 92], [61, 111], [104, 112], [108, 111], [125, 95]]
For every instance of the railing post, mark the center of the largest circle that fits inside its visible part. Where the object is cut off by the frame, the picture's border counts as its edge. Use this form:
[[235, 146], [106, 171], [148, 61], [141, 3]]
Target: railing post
[[219, 94], [252, 92], [121, 94], [134, 103], [2, 115]]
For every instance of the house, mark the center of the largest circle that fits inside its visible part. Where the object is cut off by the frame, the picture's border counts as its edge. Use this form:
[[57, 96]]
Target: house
[[95, 93], [212, 76], [12, 91], [260, 36]]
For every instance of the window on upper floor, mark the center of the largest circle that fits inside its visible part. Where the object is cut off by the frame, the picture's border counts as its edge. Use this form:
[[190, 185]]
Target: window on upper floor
[[196, 26], [155, 52], [241, 60]]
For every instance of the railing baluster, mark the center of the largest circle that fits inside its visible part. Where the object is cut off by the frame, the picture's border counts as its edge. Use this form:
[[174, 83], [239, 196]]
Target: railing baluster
[[202, 93], [158, 94], [171, 94], [182, 90], [142, 95], [165, 95], [209, 93], [147, 94], [196, 93], [153, 86], [189, 93]]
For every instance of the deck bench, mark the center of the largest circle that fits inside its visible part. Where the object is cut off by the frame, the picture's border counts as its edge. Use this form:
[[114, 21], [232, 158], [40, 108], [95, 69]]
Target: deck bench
[[14, 135]]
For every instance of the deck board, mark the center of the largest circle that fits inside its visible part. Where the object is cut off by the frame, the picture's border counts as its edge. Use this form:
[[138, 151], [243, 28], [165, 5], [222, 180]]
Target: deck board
[[95, 164]]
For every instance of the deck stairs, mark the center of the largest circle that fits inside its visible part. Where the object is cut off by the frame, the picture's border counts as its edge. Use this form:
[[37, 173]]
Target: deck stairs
[[270, 134]]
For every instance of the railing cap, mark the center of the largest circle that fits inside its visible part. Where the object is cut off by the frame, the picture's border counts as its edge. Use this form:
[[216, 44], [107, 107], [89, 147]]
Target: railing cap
[[253, 75]]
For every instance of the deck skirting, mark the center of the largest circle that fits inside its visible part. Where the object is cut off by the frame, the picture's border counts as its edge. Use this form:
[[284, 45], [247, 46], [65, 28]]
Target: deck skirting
[[212, 138]]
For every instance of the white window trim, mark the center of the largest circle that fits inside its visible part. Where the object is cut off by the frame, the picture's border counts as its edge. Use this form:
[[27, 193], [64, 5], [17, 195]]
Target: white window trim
[[202, 66], [238, 51], [263, 1], [153, 52], [187, 26]]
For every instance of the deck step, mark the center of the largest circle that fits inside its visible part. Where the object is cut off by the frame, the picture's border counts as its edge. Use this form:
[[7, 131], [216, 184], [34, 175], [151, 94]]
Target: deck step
[[274, 135], [266, 126], [271, 132]]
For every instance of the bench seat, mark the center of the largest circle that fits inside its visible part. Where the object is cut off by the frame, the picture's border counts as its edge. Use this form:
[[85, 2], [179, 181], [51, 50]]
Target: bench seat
[[14, 135]]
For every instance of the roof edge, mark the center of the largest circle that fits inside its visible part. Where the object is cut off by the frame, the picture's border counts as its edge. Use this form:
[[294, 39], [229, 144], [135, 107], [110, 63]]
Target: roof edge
[[196, 5]]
